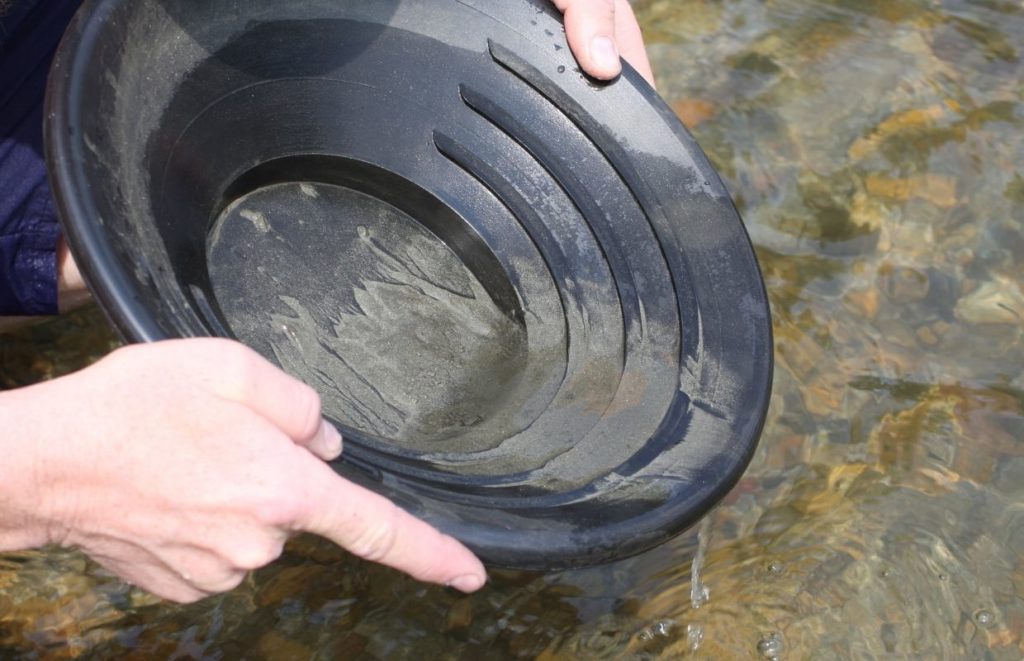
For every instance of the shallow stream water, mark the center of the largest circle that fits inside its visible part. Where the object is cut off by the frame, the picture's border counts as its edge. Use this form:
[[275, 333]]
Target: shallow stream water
[[876, 151]]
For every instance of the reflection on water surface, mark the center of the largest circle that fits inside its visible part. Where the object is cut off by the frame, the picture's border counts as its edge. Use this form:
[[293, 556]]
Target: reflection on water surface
[[876, 150]]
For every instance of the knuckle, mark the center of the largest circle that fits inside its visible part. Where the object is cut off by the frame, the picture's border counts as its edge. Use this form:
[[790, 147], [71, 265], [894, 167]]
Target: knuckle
[[378, 539], [282, 513], [235, 360], [237, 371], [256, 553], [227, 582], [282, 504], [123, 359]]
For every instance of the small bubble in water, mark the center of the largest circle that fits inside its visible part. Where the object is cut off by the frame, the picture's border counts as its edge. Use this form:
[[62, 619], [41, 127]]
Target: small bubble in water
[[662, 628], [884, 572], [363, 232], [984, 618], [774, 567], [770, 646], [943, 577], [694, 636], [561, 68]]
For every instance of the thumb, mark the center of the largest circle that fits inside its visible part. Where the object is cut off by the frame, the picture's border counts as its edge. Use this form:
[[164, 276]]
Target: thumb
[[284, 401], [372, 527], [590, 29], [631, 40]]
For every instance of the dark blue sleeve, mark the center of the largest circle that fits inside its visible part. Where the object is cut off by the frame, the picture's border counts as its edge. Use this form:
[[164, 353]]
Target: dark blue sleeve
[[29, 33]]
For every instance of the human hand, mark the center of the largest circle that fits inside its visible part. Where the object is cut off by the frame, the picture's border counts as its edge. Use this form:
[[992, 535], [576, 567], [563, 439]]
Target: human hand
[[184, 464], [71, 290], [599, 31]]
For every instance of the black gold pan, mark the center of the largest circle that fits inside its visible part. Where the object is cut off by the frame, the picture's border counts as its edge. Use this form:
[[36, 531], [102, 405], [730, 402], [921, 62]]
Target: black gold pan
[[525, 297]]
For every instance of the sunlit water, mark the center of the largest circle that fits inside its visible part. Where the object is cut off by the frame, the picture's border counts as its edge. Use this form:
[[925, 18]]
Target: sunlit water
[[876, 150]]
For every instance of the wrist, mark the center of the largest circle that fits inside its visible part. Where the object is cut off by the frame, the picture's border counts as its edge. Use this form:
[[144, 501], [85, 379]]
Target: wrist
[[46, 467], [24, 522]]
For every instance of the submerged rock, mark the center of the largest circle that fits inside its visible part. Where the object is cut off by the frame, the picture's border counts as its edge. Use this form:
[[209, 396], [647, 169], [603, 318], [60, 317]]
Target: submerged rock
[[998, 301]]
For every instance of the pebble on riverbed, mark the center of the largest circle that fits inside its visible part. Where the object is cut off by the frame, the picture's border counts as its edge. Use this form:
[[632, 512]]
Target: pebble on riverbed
[[998, 301]]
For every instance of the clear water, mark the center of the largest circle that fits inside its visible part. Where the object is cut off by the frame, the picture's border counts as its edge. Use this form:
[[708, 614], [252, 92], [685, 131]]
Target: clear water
[[876, 150]]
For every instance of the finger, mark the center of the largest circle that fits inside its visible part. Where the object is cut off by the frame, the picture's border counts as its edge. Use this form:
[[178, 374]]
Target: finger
[[372, 527], [154, 577], [590, 29], [203, 568], [631, 40], [284, 401], [326, 443]]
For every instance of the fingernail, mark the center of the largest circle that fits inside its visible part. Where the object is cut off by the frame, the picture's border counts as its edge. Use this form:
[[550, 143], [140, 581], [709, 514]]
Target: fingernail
[[332, 439], [467, 583], [605, 55]]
